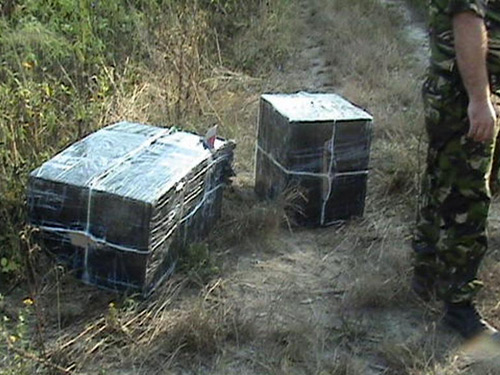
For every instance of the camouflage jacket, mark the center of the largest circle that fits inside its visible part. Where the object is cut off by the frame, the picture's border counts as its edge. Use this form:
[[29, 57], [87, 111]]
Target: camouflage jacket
[[443, 59]]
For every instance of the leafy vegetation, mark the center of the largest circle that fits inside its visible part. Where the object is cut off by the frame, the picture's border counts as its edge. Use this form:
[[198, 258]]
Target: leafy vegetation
[[254, 299], [71, 66]]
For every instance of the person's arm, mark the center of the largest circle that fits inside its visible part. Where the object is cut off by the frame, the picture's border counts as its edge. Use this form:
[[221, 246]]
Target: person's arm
[[471, 45]]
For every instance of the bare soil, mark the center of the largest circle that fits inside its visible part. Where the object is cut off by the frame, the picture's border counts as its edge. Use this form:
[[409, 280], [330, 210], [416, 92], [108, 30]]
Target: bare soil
[[342, 292], [320, 301]]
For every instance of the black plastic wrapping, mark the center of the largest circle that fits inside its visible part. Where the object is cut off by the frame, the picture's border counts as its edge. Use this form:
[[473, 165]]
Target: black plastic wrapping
[[319, 144], [119, 205]]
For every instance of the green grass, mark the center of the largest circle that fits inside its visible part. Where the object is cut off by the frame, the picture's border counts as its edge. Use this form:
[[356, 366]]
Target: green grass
[[70, 67], [253, 299], [66, 73]]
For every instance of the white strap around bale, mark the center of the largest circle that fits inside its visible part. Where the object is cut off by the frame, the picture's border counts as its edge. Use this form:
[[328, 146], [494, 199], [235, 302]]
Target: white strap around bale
[[329, 177], [83, 238]]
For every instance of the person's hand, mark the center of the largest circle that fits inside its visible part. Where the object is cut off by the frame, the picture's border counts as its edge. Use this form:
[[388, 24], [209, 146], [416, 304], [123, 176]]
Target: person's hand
[[482, 118]]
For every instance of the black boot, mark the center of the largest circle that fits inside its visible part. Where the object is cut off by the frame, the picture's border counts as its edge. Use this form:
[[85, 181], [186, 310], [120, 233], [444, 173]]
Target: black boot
[[466, 320]]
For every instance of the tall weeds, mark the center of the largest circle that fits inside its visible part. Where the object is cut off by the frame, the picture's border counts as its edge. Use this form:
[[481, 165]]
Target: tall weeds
[[69, 67]]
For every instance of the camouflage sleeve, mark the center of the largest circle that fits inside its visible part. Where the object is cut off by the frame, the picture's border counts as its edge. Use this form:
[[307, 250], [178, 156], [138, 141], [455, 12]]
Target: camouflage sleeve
[[476, 6]]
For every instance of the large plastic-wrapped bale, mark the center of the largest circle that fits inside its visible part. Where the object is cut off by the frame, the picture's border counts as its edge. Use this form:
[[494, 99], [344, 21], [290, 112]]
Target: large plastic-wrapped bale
[[120, 204], [319, 145]]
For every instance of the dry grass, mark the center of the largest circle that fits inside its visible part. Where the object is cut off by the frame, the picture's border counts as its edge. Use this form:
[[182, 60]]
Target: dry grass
[[380, 263], [285, 300], [183, 85], [143, 335], [383, 77]]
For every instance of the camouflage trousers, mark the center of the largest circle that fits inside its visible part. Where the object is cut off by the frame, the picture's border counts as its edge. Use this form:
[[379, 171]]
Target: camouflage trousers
[[450, 237]]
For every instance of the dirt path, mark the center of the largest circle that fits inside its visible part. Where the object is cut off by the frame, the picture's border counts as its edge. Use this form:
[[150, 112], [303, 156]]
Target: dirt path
[[316, 72], [415, 29], [324, 301], [332, 292], [303, 288]]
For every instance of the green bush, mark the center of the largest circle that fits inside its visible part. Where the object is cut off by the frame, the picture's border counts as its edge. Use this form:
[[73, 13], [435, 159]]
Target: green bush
[[68, 65], [53, 86]]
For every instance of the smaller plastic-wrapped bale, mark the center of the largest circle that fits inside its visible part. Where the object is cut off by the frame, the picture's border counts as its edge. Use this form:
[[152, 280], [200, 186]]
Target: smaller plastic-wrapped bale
[[119, 205], [318, 144]]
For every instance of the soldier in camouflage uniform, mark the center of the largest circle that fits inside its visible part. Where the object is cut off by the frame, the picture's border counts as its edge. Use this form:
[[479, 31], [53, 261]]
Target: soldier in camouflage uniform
[[450, 239]]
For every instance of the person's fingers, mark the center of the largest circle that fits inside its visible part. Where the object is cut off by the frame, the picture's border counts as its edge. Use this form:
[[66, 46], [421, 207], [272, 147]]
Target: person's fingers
[[482, 124], [485, 132], [471, 132], [488, 133], [481, 132]]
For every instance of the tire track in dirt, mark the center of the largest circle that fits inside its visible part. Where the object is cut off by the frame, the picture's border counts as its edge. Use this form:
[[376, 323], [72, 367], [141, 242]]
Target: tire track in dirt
[[294, 289], [315, 70], [414, 29], [400, 324], [317, 73], [394, 327]]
